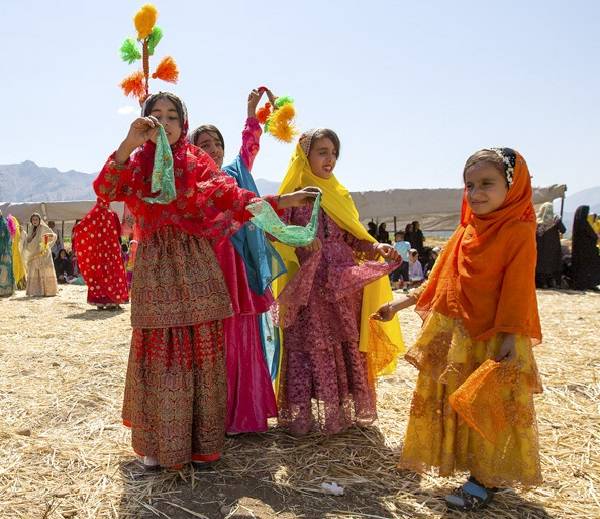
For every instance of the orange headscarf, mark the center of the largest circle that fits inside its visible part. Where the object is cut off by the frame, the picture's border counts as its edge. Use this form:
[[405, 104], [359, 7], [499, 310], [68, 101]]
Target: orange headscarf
[[486, 273]]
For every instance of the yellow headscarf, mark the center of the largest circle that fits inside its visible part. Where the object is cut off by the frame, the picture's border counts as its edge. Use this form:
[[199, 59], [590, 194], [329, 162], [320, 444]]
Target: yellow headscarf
[[380, 341]]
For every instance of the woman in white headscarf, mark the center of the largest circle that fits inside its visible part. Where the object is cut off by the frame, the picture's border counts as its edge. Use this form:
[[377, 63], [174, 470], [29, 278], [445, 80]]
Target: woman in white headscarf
[[41, 278]]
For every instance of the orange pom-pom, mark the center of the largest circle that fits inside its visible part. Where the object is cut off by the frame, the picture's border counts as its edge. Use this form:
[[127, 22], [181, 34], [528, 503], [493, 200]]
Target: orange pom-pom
[[167, 70], [262, 114], [133, 85]]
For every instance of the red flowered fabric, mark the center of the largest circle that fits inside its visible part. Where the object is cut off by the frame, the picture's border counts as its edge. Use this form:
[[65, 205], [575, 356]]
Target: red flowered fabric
[[96, 240], [209, 204]]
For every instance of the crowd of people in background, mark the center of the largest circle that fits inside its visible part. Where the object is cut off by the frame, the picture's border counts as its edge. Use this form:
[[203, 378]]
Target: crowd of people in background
[[561, 263], [417, 259]]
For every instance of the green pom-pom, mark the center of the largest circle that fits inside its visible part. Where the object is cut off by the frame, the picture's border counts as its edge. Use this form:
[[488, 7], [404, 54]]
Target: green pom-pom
[[129, 51], [283, 100], [267, 126], [155, 36]]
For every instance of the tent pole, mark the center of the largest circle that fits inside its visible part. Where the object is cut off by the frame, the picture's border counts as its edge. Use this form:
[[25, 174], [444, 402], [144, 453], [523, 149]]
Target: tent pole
[[562, 206], [395, 225]]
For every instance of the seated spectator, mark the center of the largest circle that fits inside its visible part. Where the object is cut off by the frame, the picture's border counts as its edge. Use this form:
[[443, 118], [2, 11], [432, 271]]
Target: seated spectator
[[432, 255], [415, 269], [63, 266]]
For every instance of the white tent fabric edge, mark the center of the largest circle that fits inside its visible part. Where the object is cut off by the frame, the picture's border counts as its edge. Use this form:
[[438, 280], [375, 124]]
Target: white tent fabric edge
[[436, 209]]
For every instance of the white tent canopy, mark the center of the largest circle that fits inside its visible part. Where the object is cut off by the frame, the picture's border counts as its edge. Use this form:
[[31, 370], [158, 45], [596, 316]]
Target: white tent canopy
[[436, 209], [54, 211]]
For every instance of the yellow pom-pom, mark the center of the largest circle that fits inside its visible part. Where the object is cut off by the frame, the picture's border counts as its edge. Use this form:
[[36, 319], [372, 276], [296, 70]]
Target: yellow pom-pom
[[144, 20], [280, 123]]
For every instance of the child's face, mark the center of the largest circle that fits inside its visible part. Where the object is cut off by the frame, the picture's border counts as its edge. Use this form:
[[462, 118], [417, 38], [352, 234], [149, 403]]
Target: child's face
[[209, 142], [322, 157], [399, 237], [166, 113], [486, 188]]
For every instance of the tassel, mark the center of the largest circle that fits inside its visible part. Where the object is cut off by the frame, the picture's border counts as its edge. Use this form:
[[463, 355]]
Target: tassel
[[153, 40], [133, 85], [129, 51], [262, 114], [280, 123], [144, 20], [167, 70]]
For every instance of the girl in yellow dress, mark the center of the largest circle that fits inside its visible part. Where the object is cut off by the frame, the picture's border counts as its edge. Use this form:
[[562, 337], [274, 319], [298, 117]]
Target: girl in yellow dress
[[472, 409]]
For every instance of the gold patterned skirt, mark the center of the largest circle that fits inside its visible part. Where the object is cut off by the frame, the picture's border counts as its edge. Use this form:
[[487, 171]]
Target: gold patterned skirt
[[175, 388], [437, 438]]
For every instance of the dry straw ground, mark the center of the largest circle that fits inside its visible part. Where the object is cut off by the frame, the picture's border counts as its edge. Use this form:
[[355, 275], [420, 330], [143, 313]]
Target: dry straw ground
[[64, 452]]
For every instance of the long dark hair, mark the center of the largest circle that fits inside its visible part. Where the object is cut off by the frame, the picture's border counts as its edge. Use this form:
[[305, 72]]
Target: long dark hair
[[210, 128], [151, 101]]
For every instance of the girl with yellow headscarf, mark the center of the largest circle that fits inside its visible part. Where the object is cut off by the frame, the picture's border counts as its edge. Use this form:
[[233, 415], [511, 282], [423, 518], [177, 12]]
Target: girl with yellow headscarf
[[332, 353]]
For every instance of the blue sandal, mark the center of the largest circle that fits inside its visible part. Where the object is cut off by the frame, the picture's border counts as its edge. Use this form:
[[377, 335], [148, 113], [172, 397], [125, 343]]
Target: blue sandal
[[472, 496]]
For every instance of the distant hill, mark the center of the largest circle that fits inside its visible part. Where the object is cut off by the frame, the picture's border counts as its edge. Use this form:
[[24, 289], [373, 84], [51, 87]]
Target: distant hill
[[28, 182]]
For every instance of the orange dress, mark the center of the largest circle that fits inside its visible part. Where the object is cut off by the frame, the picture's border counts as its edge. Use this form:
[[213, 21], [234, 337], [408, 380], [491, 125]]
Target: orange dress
[[481, 289]]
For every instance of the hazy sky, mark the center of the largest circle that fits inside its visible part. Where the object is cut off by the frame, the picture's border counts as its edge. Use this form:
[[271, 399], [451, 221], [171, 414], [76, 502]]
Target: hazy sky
[[412, 88]]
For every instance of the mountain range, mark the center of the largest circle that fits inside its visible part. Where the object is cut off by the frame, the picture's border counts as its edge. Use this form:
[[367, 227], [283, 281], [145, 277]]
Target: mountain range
[[28, 182]]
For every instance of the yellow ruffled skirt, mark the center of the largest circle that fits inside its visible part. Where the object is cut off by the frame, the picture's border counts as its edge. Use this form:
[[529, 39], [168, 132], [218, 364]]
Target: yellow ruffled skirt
[[437, 438]]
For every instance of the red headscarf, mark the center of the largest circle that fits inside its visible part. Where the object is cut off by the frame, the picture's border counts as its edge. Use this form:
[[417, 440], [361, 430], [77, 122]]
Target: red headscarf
[[486, 273]]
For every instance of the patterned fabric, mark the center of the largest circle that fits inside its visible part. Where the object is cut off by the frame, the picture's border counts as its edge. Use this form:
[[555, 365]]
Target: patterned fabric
[[437, 438], [263, 263], [175, 393], [338, 205], [163, 176], [177, 282], [7, 280], [321, 361], [209, 204], [249, 265], [96, 242], [266, 219]]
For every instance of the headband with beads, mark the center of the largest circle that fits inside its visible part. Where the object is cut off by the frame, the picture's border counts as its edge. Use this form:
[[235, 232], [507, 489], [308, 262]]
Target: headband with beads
[[509, 157]]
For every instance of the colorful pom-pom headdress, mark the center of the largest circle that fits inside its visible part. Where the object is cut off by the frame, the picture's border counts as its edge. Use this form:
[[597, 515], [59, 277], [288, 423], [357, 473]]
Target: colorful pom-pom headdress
[[278, 117], [148, 37]]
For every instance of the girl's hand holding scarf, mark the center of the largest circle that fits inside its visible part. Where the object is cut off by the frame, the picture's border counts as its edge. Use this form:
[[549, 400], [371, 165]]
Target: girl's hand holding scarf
[[314, 246], [386, 251], [507, 350], [140, 131], [298, 198]]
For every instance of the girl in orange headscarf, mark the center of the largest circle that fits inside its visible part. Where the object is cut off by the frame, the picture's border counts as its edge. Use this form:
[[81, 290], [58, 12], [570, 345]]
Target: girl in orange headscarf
[[472, 409]]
